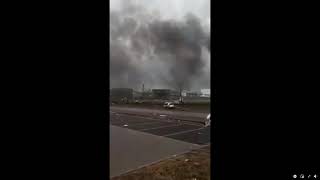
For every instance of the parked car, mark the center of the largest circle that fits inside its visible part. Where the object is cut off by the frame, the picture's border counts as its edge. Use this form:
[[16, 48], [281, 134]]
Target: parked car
[[207, 121], [168, 105]]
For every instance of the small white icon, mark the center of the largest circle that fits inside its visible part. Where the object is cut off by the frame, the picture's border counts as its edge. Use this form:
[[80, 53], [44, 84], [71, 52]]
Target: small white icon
[[294, 176], [301, 176]]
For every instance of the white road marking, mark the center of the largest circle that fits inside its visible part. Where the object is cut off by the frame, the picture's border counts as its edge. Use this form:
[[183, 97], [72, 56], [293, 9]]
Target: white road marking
[[170, 119], [153, 119], [182, 132], [143, 123], [160, 127]]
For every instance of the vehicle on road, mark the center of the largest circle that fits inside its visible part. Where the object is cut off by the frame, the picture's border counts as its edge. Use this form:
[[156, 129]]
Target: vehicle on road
[[168, 105], [207, 121], [138, 102]]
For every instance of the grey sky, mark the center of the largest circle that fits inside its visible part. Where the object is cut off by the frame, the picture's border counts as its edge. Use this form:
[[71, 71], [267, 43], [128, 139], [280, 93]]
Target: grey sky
[[171, 9], [139, 56]]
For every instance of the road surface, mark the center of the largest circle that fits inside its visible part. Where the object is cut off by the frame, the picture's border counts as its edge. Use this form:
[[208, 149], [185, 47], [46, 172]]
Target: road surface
[[182, 115], [137, 141]]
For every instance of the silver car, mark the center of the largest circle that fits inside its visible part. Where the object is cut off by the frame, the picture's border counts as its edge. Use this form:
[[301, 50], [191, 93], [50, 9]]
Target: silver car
[[168, 105], [207, 121]]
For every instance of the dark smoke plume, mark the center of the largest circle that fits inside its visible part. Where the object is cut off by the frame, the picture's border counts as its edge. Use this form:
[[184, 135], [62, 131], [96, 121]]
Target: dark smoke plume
[[159, 53]]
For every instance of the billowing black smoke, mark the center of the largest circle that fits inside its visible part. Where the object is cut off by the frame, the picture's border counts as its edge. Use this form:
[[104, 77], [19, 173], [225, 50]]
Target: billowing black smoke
[[159, 53]]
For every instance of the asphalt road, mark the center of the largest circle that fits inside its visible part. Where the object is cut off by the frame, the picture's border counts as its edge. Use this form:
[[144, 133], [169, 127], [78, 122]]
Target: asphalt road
[[155, 113], [137, 140], [183, 131], [130, 150]]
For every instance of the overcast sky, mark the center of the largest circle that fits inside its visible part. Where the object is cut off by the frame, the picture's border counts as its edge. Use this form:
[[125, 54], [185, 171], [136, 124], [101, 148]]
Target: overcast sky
[[172, 9], [131, 65]]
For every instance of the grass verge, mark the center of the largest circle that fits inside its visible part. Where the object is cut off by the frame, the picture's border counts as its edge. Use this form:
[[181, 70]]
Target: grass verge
[[194, 165]]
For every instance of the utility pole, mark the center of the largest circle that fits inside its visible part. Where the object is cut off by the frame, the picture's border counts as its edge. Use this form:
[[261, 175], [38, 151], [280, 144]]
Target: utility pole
[[142, 95], [180, 93]]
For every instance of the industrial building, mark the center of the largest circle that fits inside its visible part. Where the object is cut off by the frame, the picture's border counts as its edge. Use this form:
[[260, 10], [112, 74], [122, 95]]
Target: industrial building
[[205, 92], [161, 93], [123, 95], [191, 94], [174, 94]]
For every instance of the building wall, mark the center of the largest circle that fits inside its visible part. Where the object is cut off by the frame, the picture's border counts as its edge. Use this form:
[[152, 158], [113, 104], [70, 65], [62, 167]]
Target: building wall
[[205, 92], [161, 93]]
